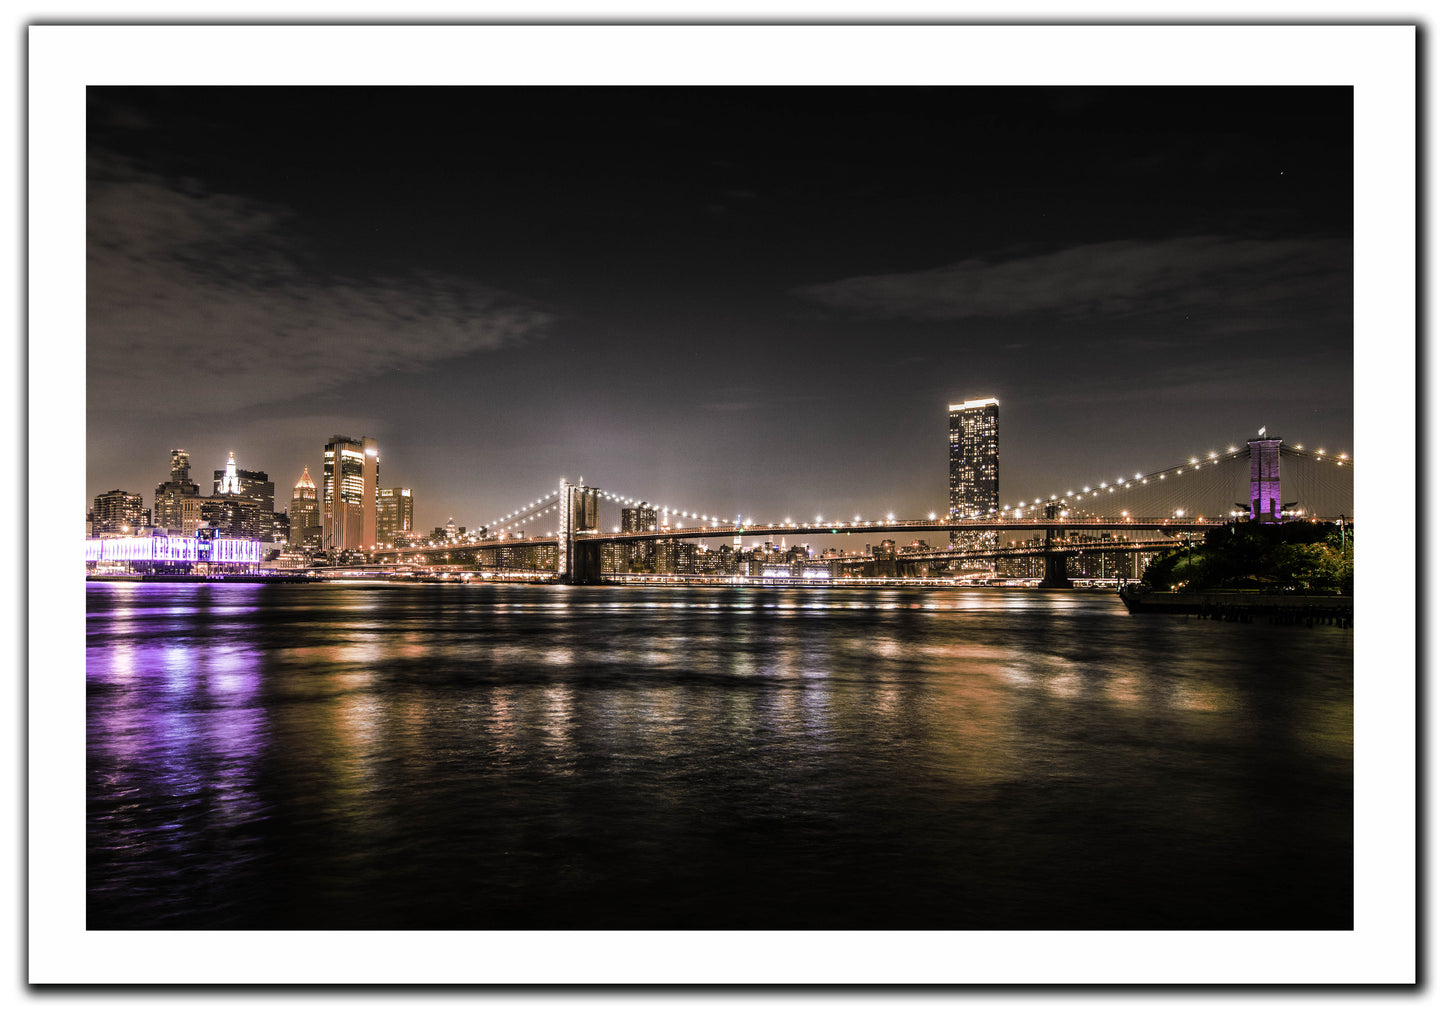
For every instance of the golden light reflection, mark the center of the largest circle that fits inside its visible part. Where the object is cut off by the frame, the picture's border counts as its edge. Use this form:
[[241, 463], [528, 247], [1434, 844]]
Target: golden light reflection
[[559, 724], [1065, 684], [1125, 690], [887, 647], [560, 657], [971, 717], [1200, 698], [500, 732]]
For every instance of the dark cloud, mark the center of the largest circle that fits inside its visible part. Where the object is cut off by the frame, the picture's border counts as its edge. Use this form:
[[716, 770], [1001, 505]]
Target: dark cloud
[[211, 297], [1260, 281]]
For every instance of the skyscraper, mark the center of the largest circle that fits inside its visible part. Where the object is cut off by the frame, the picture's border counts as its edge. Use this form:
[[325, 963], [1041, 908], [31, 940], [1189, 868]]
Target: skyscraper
[[251, 486], [393, 513], [349, 470], [973, 469], [305, 513], [180, 466], [169, 512]]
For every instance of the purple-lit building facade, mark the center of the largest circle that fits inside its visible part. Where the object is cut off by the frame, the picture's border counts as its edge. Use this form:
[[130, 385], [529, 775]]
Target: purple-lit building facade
[[174, 554]]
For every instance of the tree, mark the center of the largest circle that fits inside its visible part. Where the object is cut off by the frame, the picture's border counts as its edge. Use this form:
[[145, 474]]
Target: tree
[[1300, 555]]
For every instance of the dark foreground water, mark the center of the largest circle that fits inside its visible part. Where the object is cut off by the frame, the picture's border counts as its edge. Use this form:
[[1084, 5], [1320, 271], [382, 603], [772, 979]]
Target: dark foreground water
[[543, 757]]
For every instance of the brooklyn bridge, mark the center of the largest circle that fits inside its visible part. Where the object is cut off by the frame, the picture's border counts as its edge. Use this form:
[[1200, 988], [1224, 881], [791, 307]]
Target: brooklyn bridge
[[1264, 481]]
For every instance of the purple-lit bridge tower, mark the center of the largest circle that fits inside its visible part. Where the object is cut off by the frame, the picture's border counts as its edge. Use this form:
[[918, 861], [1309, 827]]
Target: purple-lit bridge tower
[[1264, 498]]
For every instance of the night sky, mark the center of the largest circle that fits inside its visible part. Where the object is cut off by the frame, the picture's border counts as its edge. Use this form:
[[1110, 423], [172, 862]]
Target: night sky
[[732, 300]]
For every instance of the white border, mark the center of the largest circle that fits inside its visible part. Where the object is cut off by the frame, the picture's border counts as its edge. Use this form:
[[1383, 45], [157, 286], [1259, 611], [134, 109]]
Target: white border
[[1378, 61]]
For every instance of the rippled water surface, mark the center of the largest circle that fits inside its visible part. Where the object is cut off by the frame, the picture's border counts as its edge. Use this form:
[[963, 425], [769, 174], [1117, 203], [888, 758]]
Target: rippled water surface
[[422, 756]]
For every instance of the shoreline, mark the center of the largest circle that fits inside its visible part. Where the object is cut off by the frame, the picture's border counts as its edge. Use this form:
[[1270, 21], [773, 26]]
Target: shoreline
[[1276, 608]]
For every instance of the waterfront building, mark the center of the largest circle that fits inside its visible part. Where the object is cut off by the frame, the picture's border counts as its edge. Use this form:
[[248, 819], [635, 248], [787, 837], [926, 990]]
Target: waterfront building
[[168, 513], [118, 511], [349, 473], [614, 557], [671, 556], [234, 518], [973, 443], [305, 513], [252, 486], [707, 561], [207, 552], [729, 558], [393, 513], [641, 554]]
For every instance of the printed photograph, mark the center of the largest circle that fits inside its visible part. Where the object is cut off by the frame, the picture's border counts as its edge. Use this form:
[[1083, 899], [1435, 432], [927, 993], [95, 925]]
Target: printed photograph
[[823, 507]]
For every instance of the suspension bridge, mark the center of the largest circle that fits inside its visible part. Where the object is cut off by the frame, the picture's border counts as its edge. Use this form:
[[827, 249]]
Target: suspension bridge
[[1263, 481]]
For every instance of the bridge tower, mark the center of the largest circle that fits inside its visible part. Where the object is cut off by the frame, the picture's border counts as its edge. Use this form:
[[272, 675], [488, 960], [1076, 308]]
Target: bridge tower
[[577, 564], [1265, 504]]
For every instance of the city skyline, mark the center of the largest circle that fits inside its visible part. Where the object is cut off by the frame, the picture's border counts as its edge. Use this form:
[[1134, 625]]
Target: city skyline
[[755, 301]]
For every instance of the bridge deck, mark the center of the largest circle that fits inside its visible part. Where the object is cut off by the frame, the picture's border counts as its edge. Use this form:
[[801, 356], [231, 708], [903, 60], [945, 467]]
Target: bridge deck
[[853, 529]]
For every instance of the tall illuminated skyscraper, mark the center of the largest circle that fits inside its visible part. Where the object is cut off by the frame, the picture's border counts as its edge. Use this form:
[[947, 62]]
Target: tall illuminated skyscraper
[[255, 488], [305, 513], [973, 469], [171, 495], [349, 471], [393, 513], [180, 466]]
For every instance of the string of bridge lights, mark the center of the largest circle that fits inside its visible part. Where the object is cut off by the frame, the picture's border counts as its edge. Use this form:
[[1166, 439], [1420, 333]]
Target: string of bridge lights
[[683, 515], [670, 516], [666, 511], [532, 510], [547, 503], [1141, 479]]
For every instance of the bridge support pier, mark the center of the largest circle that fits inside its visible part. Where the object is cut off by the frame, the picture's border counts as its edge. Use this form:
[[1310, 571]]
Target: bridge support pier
[[586, 565], [1056, 571], [1056, 562]]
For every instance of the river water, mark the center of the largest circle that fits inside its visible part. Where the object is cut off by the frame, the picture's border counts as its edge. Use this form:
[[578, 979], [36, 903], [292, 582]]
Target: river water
[[511, 756]]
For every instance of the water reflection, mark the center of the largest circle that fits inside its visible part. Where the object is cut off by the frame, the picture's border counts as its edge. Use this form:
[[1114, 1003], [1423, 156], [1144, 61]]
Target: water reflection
[[515, 756]]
